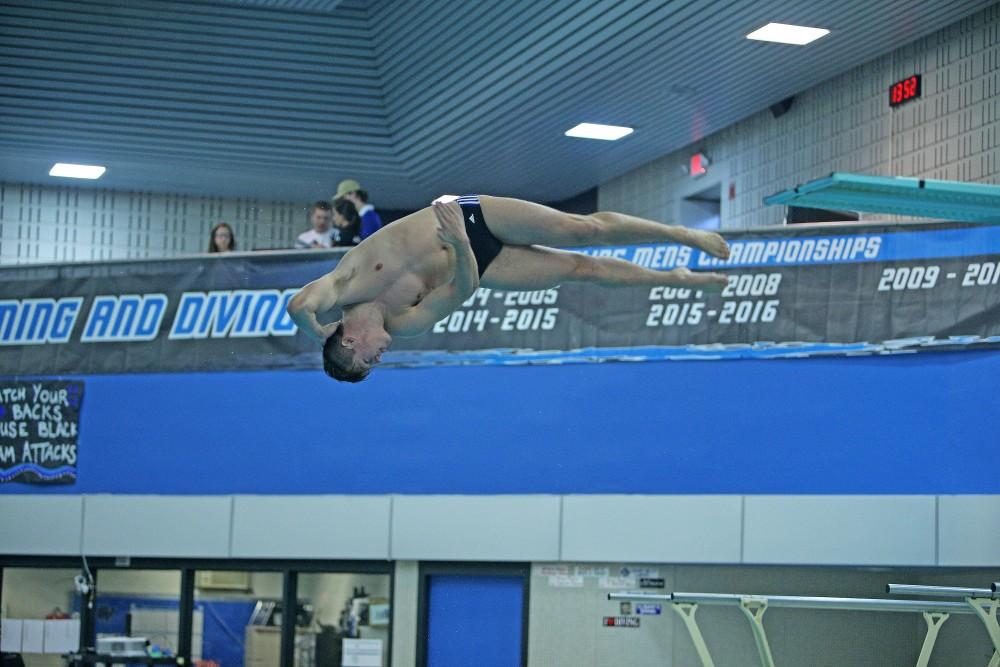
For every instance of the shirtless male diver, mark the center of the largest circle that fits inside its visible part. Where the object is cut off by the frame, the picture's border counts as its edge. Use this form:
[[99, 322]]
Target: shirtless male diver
[[404, 278]]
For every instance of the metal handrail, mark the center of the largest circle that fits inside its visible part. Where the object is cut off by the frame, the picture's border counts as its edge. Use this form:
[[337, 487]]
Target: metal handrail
[[940, 591], [982, 602], [803, 602]]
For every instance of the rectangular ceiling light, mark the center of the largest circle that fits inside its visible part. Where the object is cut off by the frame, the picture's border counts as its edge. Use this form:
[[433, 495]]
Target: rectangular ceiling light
[[595, 131], [76, 170], [787, 34]]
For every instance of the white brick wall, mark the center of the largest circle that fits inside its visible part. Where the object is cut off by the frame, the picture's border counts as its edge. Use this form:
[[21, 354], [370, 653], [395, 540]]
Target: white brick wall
[[64, 224], [845, 124]]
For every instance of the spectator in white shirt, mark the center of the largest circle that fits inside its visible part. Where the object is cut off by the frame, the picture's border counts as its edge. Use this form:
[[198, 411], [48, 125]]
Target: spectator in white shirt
[[321, 235]]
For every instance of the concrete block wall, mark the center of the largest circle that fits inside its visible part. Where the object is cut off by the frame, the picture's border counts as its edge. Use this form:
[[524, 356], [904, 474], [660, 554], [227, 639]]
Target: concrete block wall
[[846, 124], [566, 618], [40, 224]]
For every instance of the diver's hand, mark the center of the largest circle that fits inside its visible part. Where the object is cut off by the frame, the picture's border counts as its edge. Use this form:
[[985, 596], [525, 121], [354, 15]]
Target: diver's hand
[[451, 227]]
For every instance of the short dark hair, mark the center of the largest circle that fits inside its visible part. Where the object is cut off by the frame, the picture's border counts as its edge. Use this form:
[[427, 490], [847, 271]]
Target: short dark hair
[[338, 361], [321, 205], [362, 195]]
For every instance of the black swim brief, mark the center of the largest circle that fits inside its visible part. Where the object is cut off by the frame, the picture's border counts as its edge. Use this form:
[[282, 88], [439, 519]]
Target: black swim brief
[[485, 246]]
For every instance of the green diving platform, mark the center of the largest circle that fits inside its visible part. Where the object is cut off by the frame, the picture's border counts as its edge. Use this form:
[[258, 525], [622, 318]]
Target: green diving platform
[[919, 197]]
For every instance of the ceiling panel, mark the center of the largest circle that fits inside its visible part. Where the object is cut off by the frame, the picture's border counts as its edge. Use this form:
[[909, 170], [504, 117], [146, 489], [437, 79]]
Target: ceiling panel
[[321, 6], [283, 98]]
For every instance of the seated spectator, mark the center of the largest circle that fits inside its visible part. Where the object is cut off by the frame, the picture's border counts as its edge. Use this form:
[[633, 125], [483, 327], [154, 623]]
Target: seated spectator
[[346, 223], [351, 190], [222, 238], [321, 235]]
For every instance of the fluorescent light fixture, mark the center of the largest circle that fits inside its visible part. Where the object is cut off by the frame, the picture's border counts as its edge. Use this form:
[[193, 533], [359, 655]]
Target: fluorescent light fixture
[[787, 34], [76, 170], [596, 131]]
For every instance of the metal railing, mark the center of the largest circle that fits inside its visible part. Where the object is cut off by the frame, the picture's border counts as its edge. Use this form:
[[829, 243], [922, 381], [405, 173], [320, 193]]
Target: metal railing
[[982, 602]]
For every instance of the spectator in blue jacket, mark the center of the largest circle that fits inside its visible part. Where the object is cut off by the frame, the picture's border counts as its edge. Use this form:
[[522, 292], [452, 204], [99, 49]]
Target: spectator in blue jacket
[[352, 192]]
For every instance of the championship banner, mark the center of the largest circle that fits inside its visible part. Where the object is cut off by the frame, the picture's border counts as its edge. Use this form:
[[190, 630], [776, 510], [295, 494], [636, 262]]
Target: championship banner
[[793, 292], [39, 426], [206, 313]]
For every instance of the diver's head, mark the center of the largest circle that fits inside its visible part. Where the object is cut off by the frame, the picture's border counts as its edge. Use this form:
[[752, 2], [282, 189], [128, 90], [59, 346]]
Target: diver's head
[[350, 356]]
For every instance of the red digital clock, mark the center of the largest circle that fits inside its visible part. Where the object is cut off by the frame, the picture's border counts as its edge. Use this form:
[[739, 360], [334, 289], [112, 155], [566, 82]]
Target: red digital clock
[[904, 91]]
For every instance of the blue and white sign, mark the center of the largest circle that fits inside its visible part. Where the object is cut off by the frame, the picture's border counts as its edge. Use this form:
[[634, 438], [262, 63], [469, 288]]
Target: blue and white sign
[[844, 290]]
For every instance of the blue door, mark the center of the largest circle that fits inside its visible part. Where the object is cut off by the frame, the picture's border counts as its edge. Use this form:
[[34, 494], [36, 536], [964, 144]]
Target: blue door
[[474, 620]]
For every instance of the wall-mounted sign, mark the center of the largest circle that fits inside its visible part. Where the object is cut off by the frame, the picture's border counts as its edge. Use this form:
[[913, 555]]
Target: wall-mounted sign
[[904, 91], [698, 166], [792, 292], [39, 427]]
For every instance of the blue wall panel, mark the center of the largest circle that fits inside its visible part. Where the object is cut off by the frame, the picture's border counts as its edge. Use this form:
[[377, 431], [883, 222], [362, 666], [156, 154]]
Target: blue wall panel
[[917, 423], [474, 621]]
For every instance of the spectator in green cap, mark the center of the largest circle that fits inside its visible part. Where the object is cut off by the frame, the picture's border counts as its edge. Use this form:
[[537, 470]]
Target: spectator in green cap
[[350, 190]]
